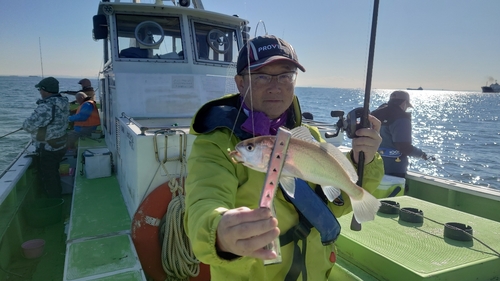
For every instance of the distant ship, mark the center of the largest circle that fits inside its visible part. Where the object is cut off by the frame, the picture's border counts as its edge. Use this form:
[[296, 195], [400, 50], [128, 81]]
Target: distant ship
[[493, 88], [419, 88]]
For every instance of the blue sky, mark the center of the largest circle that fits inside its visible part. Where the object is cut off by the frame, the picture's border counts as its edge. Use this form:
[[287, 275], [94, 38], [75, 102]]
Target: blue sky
[[436, 44]]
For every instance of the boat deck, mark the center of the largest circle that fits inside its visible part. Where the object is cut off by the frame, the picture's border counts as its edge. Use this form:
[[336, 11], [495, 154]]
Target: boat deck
[[99, 245], [389, 248]]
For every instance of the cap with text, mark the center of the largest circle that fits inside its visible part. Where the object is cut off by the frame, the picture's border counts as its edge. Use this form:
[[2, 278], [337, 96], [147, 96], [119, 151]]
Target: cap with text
[[265, 50]]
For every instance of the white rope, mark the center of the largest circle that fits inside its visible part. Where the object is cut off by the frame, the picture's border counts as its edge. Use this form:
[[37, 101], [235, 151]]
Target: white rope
[[178, 259]]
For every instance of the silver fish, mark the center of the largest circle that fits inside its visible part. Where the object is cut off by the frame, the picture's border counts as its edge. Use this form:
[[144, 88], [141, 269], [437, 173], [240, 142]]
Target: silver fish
[[310, 160]]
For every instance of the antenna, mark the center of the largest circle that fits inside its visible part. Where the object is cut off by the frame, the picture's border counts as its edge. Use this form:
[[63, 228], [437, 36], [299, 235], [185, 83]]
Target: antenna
[[40, 46]]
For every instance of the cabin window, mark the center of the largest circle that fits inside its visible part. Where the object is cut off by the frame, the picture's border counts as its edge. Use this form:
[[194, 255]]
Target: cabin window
[[149, 37], [215, 43]]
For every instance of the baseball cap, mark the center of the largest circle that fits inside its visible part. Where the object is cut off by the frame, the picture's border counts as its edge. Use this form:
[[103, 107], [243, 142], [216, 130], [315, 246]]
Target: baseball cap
[[401, 95], [49, 84], [85, 83], [264, 50]]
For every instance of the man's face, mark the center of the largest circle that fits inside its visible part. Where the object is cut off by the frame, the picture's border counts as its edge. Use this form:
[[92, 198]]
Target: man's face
[[79, 99], [271, 98], [44, 93]]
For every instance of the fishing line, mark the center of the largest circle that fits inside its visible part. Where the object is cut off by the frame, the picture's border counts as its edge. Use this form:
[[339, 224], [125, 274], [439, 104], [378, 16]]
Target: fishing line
[[11, 133], [249, 89], [439, 223]]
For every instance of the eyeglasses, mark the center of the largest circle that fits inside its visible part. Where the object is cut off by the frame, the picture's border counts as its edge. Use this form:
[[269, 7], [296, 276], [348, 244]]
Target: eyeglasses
[[265, 79]]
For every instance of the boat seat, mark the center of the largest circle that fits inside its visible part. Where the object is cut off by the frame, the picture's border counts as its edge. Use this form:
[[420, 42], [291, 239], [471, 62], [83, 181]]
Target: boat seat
[[99, 245]]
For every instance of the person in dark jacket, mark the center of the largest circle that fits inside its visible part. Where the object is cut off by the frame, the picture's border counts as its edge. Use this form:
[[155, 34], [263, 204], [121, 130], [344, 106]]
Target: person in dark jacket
[[396, 143]]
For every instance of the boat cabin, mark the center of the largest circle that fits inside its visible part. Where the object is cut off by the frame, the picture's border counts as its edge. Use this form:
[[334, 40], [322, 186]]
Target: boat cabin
[[162, 62]]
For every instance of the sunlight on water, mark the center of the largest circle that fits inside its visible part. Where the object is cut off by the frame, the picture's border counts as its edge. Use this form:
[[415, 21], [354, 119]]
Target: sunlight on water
[[459, 128]]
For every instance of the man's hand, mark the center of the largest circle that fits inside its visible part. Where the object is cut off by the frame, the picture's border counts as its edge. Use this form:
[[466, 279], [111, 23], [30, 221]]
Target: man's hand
[[245, 232], [424, 156], [368, 140]]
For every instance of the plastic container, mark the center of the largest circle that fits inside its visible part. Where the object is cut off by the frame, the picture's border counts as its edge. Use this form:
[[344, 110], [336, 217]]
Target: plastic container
[[33, 249], [97, 163], [43, 212]]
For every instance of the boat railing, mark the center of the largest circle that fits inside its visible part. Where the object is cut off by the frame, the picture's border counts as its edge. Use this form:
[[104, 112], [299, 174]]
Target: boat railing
[[455, 186], [143, 127]]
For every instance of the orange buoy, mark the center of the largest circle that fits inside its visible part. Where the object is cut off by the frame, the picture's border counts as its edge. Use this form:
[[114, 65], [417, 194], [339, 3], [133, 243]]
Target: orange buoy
[[146, 234]]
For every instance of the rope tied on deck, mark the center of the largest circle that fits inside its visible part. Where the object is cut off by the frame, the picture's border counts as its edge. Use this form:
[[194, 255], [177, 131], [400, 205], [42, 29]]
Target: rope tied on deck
[[178, 259]]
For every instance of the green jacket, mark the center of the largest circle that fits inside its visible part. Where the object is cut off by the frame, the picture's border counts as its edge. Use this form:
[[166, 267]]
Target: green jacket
[[216, 184]]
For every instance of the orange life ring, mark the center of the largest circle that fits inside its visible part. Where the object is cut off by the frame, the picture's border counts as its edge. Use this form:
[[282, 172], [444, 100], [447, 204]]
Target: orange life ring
[[146, 230]]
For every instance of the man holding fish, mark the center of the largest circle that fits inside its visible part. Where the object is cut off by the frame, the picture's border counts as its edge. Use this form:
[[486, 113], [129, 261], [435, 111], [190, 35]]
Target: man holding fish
[[226, 227]]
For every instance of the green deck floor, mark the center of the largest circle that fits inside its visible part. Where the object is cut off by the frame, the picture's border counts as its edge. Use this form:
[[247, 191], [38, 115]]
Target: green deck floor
[[391, 249], [99, 244]]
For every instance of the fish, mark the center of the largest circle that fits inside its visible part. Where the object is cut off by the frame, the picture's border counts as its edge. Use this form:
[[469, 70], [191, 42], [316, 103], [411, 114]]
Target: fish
[[317, 162]]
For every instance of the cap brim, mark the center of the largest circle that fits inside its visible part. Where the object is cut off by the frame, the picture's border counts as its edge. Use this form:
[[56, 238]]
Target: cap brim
[[263, 62]]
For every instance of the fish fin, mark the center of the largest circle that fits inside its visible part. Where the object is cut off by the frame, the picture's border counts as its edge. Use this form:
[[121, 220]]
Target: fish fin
[[288, 184], [331, 192], [342, 160], [365, 208], [303, 133]]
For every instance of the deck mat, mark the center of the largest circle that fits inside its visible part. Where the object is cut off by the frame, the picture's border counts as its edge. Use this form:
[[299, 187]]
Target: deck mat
[[392, 249]]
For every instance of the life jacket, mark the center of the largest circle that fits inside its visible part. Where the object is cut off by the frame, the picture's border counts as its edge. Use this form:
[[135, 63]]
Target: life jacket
[[93, 119]]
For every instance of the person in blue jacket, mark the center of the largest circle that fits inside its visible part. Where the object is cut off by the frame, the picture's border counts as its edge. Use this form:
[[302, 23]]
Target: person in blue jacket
[[86, 119], [396, 144]]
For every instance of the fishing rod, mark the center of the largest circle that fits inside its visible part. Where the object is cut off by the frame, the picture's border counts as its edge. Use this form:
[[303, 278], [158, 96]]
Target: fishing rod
[[11, 132], [363, 122], [40, 47], [350, 124]]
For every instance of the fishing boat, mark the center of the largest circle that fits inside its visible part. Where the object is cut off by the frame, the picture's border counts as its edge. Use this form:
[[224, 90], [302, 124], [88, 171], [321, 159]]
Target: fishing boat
[[492, 88], [117, 219], [419, 88]]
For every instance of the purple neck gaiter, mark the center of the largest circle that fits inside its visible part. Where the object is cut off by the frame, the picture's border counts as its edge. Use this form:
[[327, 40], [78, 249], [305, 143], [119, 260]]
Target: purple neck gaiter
[[258, 124]]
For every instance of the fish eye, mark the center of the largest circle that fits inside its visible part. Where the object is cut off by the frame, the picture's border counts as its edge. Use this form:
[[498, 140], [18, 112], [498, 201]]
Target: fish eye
[[250, 147]]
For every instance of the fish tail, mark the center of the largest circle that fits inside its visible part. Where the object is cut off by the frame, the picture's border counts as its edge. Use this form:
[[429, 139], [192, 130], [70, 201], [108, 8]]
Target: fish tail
[[365, 208]]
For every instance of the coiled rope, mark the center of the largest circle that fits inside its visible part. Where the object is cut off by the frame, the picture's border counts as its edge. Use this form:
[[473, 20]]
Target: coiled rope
[[178, 259]]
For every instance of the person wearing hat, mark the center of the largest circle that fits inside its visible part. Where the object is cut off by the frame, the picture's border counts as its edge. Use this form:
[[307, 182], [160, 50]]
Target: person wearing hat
[[87, 88], [47, 126], [396, 144], [223, 221], [85, 120]]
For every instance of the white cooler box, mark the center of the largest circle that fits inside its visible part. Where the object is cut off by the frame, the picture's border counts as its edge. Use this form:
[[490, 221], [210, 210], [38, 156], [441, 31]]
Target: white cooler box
[[388, 185], [97, 163]]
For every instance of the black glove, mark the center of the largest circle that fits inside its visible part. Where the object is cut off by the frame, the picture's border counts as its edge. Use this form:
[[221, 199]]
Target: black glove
[[424, 156]]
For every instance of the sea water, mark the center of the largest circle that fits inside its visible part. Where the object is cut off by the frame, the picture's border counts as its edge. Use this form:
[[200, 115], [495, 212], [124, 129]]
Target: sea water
[[460, 129]]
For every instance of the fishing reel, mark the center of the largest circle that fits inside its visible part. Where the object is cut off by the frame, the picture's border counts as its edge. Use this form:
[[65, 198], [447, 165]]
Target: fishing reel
[[349, 124]]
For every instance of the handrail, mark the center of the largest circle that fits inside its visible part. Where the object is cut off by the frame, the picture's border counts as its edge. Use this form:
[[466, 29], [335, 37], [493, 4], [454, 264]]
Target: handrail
[[143, 129]]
